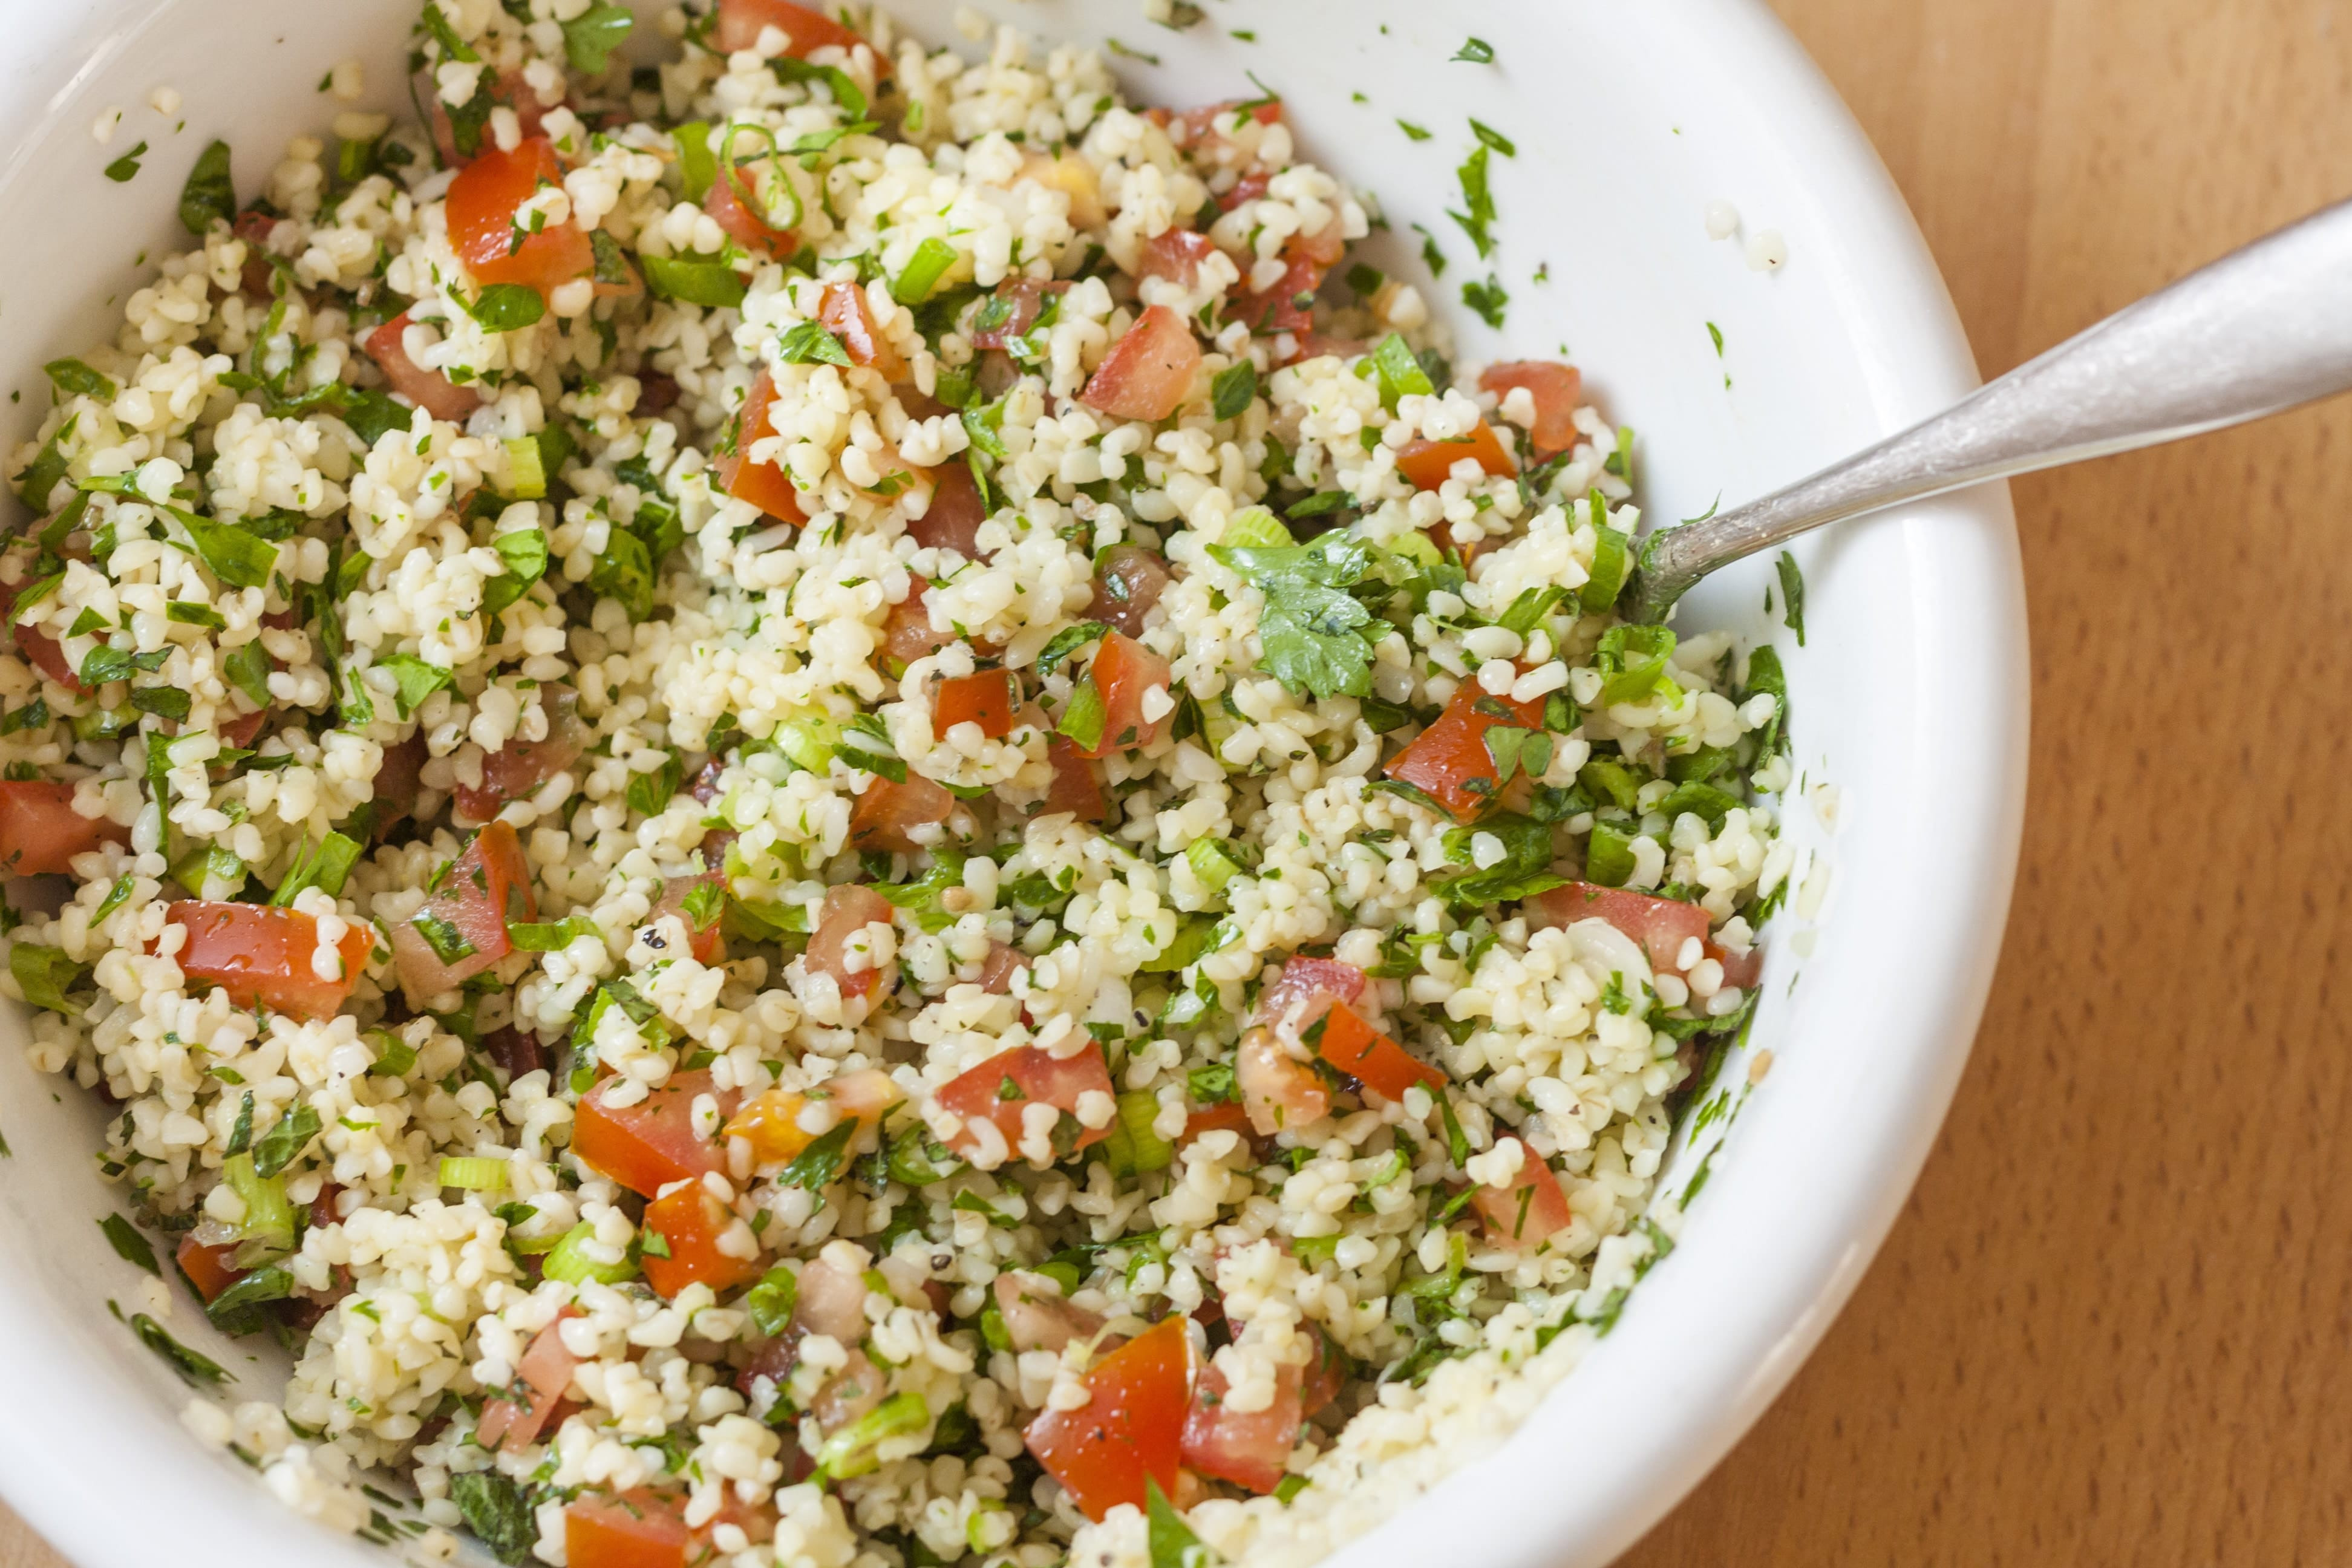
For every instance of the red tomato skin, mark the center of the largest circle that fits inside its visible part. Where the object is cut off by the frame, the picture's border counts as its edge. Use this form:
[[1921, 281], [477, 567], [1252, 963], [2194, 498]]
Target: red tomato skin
[[983, 697], [543, 1376], [847, 911], [646, 1146], [844, 309], [996, 973], [510, 88], [764, 485], [1132, 1429], [1555, 388], [261, 955], [953, 519], [1128, 584], [1447, 760], [740, 22], [1378, 1063], [1148, 374], [887, 813], [1039, 1077], [707, 943], [487, 886], [1227, 1117], [1429, 464], [690, 1222], [1661, 925], [748, 229], [1320, 983], [636, 1530], [1177, 255], [1076, 788], [1740, 969], [482, 203], [1249, 1449], [1019, 301], [428, 389], [518, 768], [40, 832], [207, 1268], [1546, 1211], [1124, 670]]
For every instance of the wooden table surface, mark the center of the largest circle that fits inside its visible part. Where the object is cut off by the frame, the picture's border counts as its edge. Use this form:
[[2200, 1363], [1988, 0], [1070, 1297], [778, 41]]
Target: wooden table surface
[[2113, 1323]]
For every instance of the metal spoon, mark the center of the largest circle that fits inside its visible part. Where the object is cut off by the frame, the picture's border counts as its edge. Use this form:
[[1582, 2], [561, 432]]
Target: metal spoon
[[2261, 331]]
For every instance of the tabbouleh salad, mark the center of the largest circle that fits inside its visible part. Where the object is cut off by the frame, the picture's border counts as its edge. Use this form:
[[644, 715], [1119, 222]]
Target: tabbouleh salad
[[822, 806]]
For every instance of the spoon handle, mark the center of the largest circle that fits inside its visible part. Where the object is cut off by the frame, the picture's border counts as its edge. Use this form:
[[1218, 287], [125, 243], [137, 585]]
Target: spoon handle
[[2261, 330]]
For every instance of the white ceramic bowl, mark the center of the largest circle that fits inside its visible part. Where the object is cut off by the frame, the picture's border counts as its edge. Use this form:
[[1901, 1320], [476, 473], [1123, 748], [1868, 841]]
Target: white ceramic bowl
[[1629, 119]]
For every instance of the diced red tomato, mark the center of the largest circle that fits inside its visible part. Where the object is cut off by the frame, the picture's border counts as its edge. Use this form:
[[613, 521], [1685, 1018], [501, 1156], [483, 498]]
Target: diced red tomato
[[396, 783], [1129, 580], [255, 228], [1323, 1379], [764, 485], [1132, 1428], [513, 1052], [851, 318], [1076, 788], [513, 1421], [1289, 305], [773, 1122], [740, 23], [705, 940], [1429, 464], [996, 972], [1529, 1211], [1000, 1088], [1740, 969], [508, 88], [636, 1530], [262, 956], [953, 519], [1317, 344], [889, 813], [484, 887], [1177, 255], [744, 223], [516, 769], [984, 697], [1011, 310], [1250, 1448], [241, 730], [1306, 990], [690, 1222], [648, 1146], [1363, 1053], [1148, 374], [40, 832], [44, 653], [1124, 671], [1555, 388], [1661, 925], [1449, 762], [847, 910], [1279, 1092], [1036, 1317], [482, 230], [908, 634], [428, 389], [1228, 1117], [1213, 120], [208, 1268]]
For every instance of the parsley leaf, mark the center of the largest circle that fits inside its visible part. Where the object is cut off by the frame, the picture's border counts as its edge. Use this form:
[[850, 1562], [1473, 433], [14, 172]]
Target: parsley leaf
[[1234, 390], [590, 38], [1792, 595], [1314, 632], [210, 195], [1478, 51], [1477, 219]]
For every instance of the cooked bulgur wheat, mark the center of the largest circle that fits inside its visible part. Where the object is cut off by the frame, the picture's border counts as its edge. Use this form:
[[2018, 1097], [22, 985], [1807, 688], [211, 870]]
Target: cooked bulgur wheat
[[837, 972]]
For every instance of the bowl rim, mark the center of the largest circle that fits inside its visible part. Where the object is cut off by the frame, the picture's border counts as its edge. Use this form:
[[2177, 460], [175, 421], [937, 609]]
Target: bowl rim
[[1793, 1276]]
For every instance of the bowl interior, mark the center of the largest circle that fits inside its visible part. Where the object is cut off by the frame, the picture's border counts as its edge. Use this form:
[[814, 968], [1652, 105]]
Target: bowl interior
[[1908, 691]]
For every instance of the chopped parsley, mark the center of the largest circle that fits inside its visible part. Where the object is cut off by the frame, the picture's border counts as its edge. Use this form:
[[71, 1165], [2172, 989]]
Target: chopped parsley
[[1478, 51], [1478, 217], [126, 168], [1317, 637]]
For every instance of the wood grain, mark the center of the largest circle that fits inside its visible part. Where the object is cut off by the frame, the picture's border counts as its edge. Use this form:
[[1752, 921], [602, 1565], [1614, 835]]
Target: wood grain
[[2116, 1322]]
